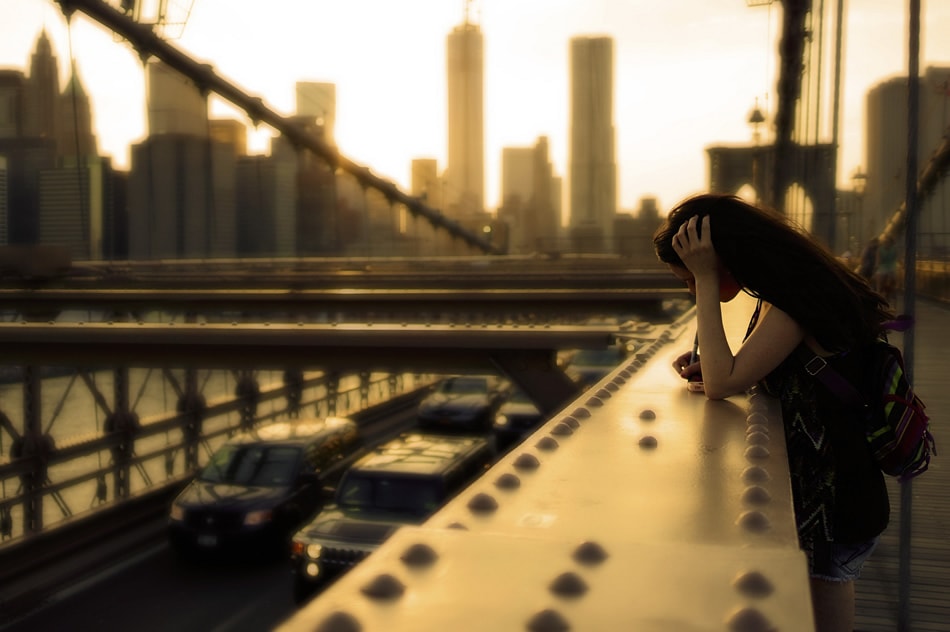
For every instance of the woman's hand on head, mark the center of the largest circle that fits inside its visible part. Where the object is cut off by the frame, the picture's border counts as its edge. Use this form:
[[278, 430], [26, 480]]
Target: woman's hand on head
[[693, 244]]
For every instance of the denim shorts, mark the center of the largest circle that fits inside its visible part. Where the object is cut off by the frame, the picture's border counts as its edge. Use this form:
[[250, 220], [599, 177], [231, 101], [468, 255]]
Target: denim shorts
[[846, 561]]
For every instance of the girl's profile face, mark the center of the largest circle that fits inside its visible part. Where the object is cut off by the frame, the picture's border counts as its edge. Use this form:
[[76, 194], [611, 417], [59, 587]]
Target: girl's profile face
[[729, 288]]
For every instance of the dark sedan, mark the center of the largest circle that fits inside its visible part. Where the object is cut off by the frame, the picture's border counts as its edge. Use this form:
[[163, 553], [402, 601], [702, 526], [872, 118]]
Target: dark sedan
[[462, 403], [260, 485]]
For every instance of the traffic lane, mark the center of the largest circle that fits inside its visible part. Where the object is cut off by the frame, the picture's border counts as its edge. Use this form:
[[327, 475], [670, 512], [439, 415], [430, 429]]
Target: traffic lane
[[157, 591]]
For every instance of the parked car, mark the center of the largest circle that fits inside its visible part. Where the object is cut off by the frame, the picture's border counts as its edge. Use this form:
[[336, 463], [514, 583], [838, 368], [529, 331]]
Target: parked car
[[462, 403], [260, 485], [404, 481], [517, 417]]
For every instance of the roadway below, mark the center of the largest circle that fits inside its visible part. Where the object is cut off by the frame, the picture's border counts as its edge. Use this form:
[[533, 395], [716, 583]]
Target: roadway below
[[129, 577], [153, 590]]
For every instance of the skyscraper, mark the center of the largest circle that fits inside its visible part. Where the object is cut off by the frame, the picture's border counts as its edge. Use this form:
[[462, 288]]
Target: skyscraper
[[886, 154], [74, 135], [593, 168], [530, 201], [12, 88], [465, 172], [175, 105], [42, 94], [317, 100]]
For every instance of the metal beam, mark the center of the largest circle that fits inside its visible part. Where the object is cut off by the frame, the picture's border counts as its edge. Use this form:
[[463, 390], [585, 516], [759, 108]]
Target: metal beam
[[282, 345]]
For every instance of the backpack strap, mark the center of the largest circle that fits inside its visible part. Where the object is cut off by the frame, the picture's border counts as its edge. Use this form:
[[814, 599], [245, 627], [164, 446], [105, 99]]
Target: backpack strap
[[818, 368]]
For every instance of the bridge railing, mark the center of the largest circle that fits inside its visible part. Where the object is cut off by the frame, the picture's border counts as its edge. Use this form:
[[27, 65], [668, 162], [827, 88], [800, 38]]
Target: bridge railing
[[640, 505], [94, 449]]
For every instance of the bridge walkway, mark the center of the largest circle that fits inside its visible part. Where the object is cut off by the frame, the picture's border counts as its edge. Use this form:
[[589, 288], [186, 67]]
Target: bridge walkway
[[877, 591]]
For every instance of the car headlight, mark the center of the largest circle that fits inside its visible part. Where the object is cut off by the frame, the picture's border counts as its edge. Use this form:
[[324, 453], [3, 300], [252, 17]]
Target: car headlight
[[502, 420], [253, 518], [314, 551], [177, 513]]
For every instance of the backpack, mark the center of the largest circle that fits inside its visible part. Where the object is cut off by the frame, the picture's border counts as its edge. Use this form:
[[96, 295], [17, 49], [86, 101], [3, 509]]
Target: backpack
[[895, 425]]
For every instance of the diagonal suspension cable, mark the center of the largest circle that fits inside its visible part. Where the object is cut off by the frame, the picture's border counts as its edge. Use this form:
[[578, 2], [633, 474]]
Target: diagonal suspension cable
[[142, 38]]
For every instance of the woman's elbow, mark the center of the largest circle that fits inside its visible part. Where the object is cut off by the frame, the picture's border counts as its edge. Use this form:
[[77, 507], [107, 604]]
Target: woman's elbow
[[714, 391]]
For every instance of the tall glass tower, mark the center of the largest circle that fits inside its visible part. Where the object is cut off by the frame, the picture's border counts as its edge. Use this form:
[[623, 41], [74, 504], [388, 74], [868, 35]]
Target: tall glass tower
[[465, 172], [593, 168]]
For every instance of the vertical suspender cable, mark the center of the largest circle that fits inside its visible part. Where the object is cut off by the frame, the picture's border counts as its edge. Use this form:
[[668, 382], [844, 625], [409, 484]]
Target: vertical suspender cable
[[910, 279], [835, 118]]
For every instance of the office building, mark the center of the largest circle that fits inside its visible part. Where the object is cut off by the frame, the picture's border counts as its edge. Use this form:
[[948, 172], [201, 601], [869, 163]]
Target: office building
[[175, 105], [317, 223], [181, 198], [425, 183], [465, 172], [73, 199], [230, 132], [592, 156], [74, 136], [530, 205], [317, 100], [41, 114], [266, 207], [12, 88], [886, 156]]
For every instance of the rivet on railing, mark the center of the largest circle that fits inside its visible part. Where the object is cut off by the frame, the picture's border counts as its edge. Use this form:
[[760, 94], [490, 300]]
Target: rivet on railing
[[527, 461], [647, 442], [508, 481], [548, 621], [547, 444], [568, 584], [589, 553], [384, 586], [753, 584], [748, 619], [339, 622], [419, 555], [482, 503]]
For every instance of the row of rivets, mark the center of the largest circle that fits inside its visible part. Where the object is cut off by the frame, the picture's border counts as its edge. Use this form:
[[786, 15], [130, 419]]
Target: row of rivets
[[757, 440], [568, 584]]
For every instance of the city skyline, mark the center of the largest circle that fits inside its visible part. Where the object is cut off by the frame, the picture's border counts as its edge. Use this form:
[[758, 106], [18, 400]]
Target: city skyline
[[394, 76]]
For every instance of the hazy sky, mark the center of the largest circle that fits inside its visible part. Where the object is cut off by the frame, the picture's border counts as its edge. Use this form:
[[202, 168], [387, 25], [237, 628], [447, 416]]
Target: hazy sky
[[687, 72]]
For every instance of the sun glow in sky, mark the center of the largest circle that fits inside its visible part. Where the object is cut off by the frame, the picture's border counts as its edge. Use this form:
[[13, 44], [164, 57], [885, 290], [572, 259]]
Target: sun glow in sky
[[687, 73]]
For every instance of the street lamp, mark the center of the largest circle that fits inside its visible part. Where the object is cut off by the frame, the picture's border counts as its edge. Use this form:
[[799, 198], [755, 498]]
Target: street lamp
[[756, 118], [859, 183]]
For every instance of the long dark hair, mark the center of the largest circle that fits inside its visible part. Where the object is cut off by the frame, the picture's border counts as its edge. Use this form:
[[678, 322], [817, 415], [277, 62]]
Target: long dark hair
[[775, 260]]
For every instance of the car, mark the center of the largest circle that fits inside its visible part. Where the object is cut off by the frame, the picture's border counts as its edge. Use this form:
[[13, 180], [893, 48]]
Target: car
[[462, 403], [260, 485], [403, 481], [517, 417], [587, 366]]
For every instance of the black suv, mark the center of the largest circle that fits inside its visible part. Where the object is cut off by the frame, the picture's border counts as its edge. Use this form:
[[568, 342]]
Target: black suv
[[402, 482], [260, 485]]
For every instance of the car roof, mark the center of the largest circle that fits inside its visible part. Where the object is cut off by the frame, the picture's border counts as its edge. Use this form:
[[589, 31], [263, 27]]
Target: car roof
[[298, 432], [419, 453]]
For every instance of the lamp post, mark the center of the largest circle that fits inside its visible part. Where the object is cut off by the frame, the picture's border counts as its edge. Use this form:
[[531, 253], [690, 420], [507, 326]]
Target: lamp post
[[859, 181], [756, 118]]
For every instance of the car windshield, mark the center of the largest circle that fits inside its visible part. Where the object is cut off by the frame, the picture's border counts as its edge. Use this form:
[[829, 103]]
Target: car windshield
[[598, 357], [464, 385], [252, 465], [409, 494]]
